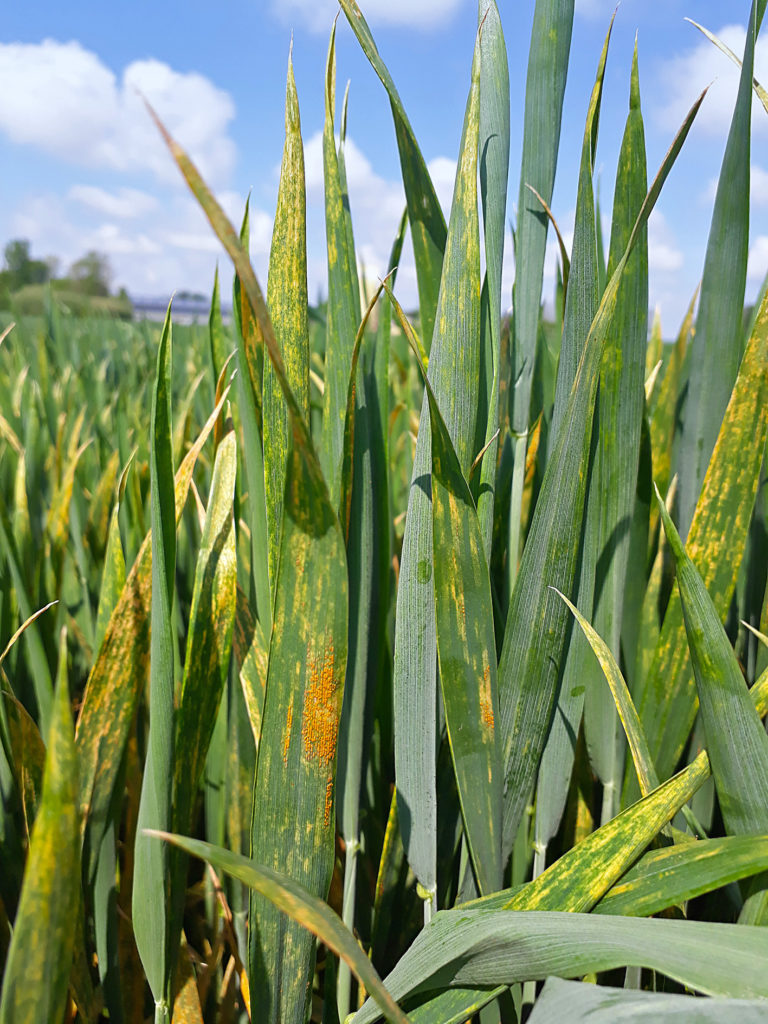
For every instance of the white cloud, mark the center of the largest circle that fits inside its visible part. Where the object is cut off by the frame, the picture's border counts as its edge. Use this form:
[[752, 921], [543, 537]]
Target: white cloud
[[125, 203], [663, 252], [682, 79], [64, 100], [757, 267], [318, 15]]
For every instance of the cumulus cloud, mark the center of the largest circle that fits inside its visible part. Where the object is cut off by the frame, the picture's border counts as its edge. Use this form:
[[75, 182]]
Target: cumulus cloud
[[160, 250], [318, 15], [125, 203], [62, 99], [683, 77]]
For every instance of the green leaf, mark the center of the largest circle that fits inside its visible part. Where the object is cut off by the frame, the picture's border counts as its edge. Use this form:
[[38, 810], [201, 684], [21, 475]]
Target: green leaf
[[302, 906], [365, 522], [494, 173], [577, 1002], [622, 701], [619, 416], [249, 390], [580, 307], [544, 92], [454, 364], [37, 969], [465, 644], [760, 92], [663, 411], [151, 874], [216, 334]]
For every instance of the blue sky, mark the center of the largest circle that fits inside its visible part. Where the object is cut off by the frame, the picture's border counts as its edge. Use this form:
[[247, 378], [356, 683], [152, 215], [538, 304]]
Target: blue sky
[[84, 168]]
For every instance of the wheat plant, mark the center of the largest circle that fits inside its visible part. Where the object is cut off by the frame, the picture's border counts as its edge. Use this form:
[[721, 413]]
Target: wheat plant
[[427, 648]]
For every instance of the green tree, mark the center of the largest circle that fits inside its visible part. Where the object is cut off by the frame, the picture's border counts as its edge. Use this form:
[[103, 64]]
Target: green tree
[[20, 268], [92, 273]]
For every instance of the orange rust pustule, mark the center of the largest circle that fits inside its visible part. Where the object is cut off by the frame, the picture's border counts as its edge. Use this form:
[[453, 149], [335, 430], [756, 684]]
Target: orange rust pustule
[[320, 721], [486, 704]]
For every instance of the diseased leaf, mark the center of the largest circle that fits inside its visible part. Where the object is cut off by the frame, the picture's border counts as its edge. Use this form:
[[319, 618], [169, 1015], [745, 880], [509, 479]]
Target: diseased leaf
[[40, 956], [302, 906]]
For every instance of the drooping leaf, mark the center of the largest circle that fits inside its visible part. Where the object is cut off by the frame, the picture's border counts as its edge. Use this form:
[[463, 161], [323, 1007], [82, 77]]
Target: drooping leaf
[[302, 906]]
